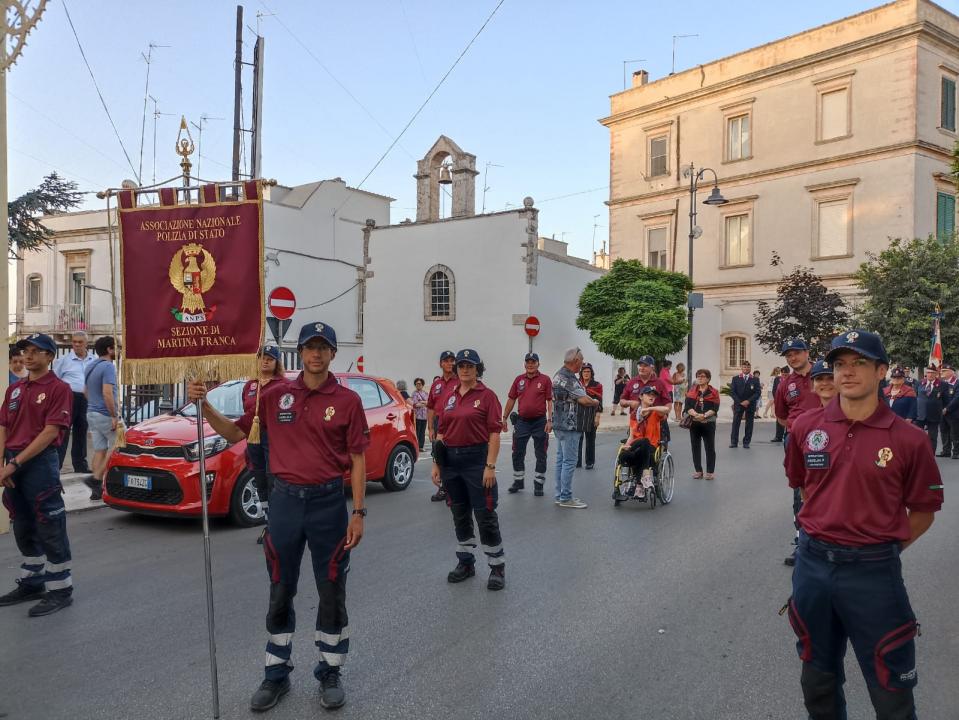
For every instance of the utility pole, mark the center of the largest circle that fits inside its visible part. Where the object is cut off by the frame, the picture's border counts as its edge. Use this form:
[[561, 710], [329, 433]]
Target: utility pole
[[237, 92], [256, 169]]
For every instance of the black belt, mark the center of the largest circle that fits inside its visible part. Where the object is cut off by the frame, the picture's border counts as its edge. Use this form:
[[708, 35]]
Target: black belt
[[841, 554], [465, 449]]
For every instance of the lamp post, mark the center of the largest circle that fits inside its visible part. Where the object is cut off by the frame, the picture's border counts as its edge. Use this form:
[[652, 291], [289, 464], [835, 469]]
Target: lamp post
[[715, 198]]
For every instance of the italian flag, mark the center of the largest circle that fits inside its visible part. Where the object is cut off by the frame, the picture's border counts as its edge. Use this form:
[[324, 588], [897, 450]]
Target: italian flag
[[935, 354]]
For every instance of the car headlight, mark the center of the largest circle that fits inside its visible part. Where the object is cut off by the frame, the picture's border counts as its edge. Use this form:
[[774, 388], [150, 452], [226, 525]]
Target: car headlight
[[212, 445]]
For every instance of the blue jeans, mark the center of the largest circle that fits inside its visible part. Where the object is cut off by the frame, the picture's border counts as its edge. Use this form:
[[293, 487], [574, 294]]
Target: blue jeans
[[567, 450]]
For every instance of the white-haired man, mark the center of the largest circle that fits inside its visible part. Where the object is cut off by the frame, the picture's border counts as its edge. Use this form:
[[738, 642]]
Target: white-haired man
[[72, 369], [568, 395]]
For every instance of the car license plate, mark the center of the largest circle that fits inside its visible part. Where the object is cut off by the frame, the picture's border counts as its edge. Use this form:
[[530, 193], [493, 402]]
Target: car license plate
[[138, 481]]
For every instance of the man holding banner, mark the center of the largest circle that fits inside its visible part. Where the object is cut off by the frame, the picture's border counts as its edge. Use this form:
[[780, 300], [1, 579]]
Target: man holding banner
[[318, 433]]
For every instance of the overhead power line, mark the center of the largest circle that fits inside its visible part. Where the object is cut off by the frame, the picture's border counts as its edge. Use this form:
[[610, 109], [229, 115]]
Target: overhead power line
[[100, 94], [426, 101], [581, 192]]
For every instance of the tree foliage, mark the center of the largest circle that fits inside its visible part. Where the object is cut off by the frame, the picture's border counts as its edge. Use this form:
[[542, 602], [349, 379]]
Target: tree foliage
[[635, 310], [25, 227], [902, 285], [803, 308]]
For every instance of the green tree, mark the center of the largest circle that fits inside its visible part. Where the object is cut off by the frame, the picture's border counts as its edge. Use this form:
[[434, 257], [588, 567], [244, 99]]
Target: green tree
[[25, 228], [803, 308], [635, 310], [902, 286]]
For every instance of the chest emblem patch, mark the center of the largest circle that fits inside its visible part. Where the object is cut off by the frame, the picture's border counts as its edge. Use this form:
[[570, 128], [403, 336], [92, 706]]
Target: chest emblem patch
[[792, 386], [635, 386], [539, 386], [15, 394], [437, 388], [885, 457], [286, 402], [450, 402], [330, 412], [817, 440], [476, 403], [41, 397], [522, 384]]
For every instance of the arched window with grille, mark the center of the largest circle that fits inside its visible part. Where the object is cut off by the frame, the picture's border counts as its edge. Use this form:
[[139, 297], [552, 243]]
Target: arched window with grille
[[439, 294]]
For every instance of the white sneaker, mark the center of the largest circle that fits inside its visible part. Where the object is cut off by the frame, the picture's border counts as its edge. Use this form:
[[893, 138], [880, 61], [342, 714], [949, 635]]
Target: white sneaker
[[573, 503]]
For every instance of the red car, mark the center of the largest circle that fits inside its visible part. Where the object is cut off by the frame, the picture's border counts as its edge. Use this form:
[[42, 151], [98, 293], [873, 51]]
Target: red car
[[157, 472]]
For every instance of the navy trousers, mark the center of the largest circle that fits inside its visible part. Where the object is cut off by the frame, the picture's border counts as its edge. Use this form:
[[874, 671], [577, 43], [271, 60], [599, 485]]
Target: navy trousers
[[523, 430], [462, 477], [302, 515], [39, 520], [258, 458], [855, 594]]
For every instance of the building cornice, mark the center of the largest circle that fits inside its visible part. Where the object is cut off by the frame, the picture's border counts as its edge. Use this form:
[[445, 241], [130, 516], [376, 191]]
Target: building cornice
[[837, 160], [915, 29]]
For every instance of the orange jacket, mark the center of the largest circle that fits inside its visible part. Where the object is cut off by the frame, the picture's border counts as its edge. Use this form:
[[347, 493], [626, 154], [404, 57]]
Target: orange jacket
[[650, 427]]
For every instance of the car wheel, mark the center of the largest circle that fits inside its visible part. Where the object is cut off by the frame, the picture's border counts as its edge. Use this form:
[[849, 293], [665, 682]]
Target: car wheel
[[245, 502], [399, 469]]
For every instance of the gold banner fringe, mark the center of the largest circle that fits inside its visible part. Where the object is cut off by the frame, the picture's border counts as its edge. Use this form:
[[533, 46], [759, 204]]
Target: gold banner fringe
[[121, 435], [162, 371]]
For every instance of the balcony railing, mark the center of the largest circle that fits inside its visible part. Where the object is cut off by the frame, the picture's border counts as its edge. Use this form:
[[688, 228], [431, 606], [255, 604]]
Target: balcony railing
[[67, 318]]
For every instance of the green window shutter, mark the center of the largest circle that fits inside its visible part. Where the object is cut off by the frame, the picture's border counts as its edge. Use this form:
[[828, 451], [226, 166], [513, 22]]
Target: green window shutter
[[948, 115], [945, 216]]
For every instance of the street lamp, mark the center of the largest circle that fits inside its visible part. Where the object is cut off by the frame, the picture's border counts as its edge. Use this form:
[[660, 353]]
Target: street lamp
[[715, 198]]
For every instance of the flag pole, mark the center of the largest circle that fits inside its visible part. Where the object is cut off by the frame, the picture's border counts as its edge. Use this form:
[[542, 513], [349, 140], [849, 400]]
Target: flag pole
[[184, 149]]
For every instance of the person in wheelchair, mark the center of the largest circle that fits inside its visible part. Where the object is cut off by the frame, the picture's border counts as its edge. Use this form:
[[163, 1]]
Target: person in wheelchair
[[645, 437]]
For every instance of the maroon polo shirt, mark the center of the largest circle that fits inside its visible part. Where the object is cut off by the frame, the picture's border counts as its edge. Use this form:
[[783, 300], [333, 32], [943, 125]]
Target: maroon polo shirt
[[859, 478], [31, 405], [312, 432], [664, 393], [469, 419], [794, 396], [531, 394], [249, 392], [439, 390]]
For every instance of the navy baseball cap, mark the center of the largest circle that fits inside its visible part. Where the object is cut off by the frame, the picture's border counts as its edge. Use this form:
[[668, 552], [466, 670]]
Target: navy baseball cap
[[39, 340], [468, 356], [947, 366], [793, 344], [898, 373], [532, 357], [862, 342], [446, 355], [822, 367], [271, 351], [647, 390], [647, 360], [311, 331]]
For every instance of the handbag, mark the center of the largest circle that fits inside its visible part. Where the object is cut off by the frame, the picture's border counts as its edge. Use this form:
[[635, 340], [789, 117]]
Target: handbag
[[686, 422]]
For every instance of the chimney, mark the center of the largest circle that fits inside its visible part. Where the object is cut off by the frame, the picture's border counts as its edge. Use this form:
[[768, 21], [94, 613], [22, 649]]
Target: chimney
[[640, 77]]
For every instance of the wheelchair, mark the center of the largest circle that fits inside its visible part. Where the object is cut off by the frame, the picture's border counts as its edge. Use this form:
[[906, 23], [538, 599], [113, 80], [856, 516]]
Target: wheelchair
[[626, 481]]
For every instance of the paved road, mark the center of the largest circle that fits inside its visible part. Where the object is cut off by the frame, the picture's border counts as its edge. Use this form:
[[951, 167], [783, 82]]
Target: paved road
[[608, 613]]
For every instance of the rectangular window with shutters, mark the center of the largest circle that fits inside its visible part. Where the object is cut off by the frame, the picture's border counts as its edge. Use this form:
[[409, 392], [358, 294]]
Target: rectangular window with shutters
[[735, 352], [34, 298], [945, 216], [834, 114], [947, 104], [737, 241], [833, 226], [659, 156], [656, 248], [737, 138]]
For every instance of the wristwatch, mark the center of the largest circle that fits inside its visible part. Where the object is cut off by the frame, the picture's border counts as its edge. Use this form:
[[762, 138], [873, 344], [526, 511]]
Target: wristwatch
[[491, 466], [13, 461], [359, 511]]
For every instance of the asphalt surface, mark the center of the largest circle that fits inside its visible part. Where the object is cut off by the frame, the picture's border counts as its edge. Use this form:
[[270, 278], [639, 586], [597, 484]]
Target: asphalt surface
[[608, 612]]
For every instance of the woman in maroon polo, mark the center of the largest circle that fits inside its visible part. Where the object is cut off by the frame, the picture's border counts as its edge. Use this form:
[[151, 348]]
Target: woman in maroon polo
[[464, 461]]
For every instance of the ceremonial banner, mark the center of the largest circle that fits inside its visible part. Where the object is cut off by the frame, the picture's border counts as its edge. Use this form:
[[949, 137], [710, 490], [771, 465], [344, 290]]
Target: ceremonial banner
[[192, 283], [935, 354]]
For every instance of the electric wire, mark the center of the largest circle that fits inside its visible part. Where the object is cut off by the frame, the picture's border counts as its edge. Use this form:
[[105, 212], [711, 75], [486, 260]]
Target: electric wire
[[425, 102], [100, 94], [327, 302], [574, 194]]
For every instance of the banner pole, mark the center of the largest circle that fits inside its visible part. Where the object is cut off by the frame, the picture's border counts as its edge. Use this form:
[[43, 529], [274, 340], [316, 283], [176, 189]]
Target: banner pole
[[207, 559]]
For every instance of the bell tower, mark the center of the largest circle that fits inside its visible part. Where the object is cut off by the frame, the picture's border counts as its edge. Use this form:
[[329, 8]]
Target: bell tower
[[445, 164]]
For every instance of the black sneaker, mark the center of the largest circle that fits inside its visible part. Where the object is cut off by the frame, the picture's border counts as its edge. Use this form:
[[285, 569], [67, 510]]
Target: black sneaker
[[331, 690], [51, 603], [96, 487], [22, 593], [538, 489], [497, 578], [269, 694], [461, 572], [589, 467], [516, 486], [439, 496]]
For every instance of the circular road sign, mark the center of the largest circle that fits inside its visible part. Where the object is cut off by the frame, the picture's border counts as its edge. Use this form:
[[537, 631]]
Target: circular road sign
[[281, 303], [359, 363], [531, 326]]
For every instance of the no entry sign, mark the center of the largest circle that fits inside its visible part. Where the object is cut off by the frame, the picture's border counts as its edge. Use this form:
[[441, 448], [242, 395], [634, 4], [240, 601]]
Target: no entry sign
[[531, 326], [281, 303], [359, 363]]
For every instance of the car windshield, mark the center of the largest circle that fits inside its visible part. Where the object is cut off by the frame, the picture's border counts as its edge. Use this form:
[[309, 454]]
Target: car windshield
[[226, 399]]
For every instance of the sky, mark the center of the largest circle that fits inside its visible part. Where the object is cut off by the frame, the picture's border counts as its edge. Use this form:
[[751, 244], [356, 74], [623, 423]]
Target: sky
[[343, 79]]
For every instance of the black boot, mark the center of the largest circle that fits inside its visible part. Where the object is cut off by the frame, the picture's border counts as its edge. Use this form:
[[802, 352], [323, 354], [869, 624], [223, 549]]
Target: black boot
[[497, 577], [269, 694], [22, 593], [461, 572], [517, 485], [53, 601], [331, 690], [538, 489], [439, 496]]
